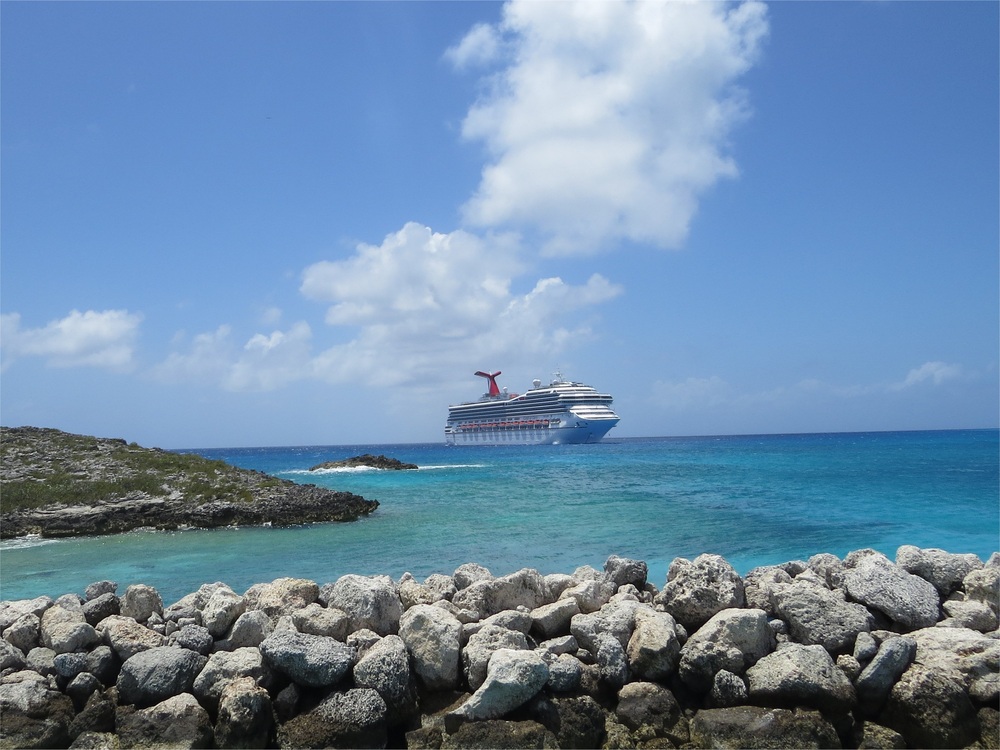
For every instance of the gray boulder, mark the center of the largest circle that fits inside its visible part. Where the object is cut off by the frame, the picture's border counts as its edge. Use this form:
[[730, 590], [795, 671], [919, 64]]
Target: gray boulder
[[308, 660], [482, 645], [984, 585], [758, 727], [930, 710], [816, 615], [967, 658], [654, 649], [176, 722], [371, 603], [140, 602], [875, 681], [100, 588], [590, 593], [282, 596], [12, 610], [385, 668], [466, 575], [126, 637], [969, 613], [433, 638], [156, 674], [224, 667], [525, 588], [246, 716], [828, 568], [512, 678], [759, 585], [565, 672], [551, 620], [647, 707], [797, 675], [696, 590], [904, 598], [11, 657], [944, 570], [34, 713], [316, 619], [352, 719], [24, 632], [221, 611], [64, 630], [728, 689], [625, 571], [104, 605], [732, 640], [193, 637]]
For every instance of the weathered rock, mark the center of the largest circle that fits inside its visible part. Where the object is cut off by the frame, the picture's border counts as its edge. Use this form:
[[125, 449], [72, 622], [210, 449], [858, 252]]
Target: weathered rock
[[512, 678], [728, 689], [194, 638], [81, 687], [624, 571], [930, 710], [34, 713], [903, 597], [309, 660], [759, 585], [984, 585], [609, 655], [350, 719], [944, 570], [482, 645], [875, 681], [654, 649], [23, 633], [282, 596], [100, 588], [140, 602], [97, 716], [965, 657], [969, 613], [698, 589], [647, 704], [732, 640], [41, 660], [157, 674], [13, 610], [467, 574], [318, 620], [433, 638], [249, 630], [221, 611], [224, 667], [828, 568], [565, 672], [758, 727], [871, 736], [176, 722], [576, 722], [797, 675], [551, 620], [366, 460], [246, 716], [525, 588], [101, 606], [590, 594], [369, 602], [126, 637], [385, 668], [497, 734], [11, 657], [816, 615], [64, 630], [436, 588]]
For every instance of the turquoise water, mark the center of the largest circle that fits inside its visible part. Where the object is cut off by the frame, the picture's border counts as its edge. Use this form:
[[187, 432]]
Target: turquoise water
[[755, 500]]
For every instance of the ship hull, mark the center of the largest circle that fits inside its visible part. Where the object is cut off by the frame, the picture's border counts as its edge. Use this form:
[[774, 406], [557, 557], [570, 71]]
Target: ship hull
[[579, 431]]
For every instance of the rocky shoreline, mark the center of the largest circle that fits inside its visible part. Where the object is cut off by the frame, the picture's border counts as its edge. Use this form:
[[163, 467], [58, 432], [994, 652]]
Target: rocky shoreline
[[861, 652], [57, 484]]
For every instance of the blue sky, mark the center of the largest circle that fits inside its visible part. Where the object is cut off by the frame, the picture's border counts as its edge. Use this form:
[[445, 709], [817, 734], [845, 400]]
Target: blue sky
[[229, 224]]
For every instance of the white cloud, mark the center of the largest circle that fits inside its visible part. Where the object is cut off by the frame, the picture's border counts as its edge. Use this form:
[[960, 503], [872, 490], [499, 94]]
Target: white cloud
[[479, 46], [611, 118], [934, 373], [104, 339]]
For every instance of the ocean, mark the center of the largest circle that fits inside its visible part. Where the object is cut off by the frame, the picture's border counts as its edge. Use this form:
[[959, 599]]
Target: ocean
[[755, 500]]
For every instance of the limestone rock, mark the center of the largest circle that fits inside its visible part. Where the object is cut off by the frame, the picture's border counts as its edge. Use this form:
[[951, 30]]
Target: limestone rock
[[930, 710], [466, 575], [246, 716], [176, 722], [157, 674], [902, 597], [34, 713], [758, 727], [551, 620], [385, 668], [224, 667], [698, 589], [654, 649], [350, 719], [101, 606], [759, 585], [221, 611], [625, 571], [23, 633], [647, 704], [732, 640], [309, 660], [282, 596], [512, 678], [489, 735], [816, 615], [126, 637], [316, 619], [250, 630], [944, 570], [193, 637], [525, 588], [798, 675], [482, 645], [369, 602], [64, 630], [140, 602], [433, 638], [875, 681]]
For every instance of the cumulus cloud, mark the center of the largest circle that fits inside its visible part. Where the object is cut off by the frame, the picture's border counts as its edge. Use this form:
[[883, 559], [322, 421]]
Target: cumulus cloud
[[609, 120], [104, 339]]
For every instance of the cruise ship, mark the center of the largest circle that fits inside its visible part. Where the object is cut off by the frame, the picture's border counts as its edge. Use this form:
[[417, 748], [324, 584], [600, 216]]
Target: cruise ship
[[561, 412]]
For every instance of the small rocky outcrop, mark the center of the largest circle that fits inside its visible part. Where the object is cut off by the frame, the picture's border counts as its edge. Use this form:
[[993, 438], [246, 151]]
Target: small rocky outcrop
[[783, 657], [57, 484], [366, 460]]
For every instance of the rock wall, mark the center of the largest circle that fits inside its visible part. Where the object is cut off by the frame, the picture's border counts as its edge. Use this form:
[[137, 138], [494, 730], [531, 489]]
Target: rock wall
[[860, 652]]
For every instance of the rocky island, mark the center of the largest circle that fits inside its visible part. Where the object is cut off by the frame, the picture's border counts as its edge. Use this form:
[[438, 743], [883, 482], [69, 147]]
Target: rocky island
[[367, 460], [57, 484], [859, 652]]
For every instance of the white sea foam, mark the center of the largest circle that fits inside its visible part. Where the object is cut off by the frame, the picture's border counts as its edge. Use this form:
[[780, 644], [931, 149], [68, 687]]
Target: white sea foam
[[24, 542], [366, 469]]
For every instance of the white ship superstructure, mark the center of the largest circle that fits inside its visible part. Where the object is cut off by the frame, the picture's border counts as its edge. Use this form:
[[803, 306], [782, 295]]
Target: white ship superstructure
[[561, 412]]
